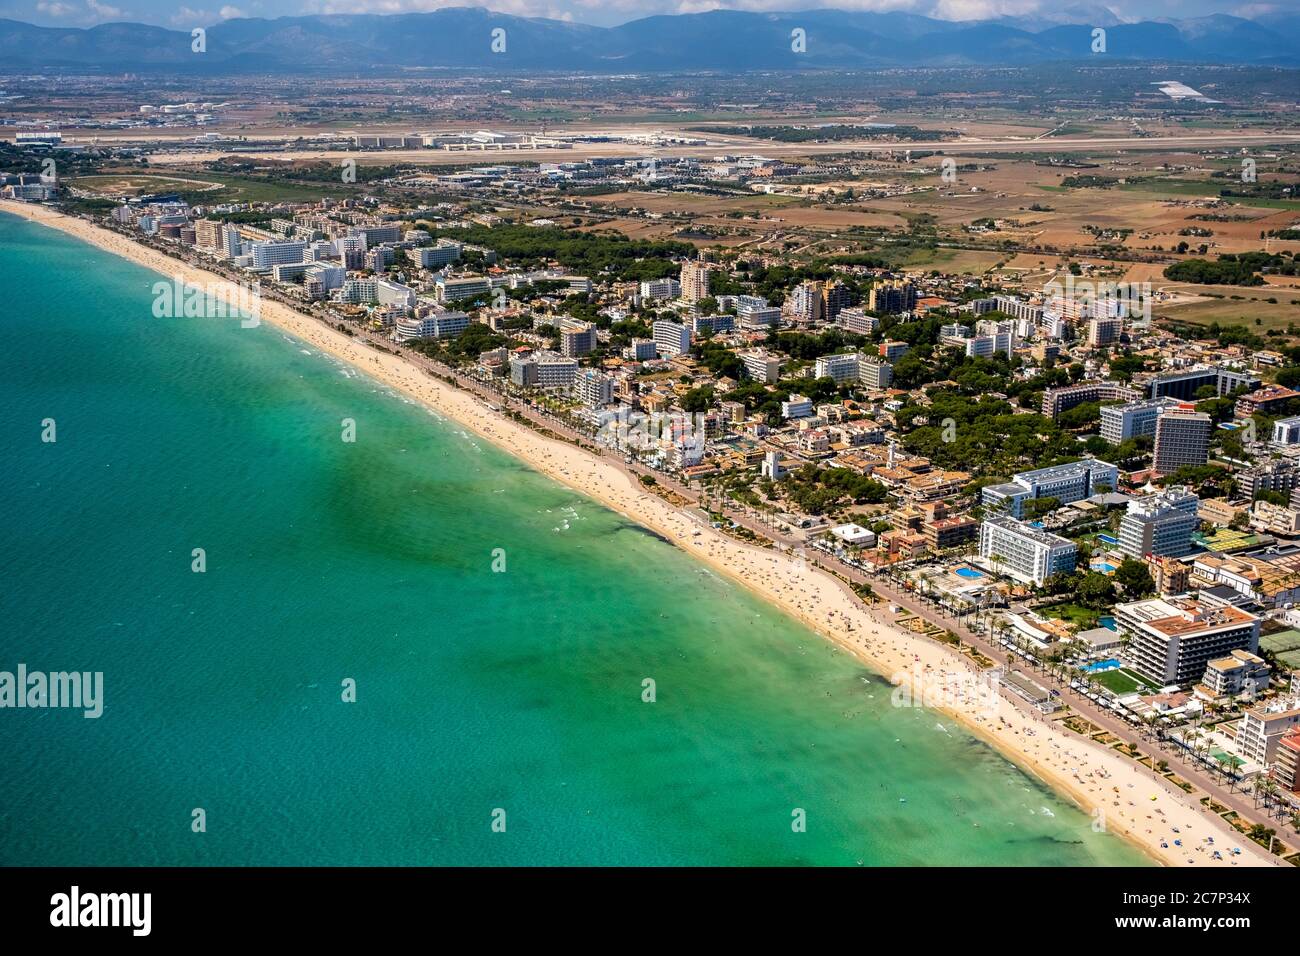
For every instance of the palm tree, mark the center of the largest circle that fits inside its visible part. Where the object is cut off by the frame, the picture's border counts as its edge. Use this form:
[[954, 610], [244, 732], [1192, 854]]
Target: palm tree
[[1148, 722], [1270, 793], [996, 561]]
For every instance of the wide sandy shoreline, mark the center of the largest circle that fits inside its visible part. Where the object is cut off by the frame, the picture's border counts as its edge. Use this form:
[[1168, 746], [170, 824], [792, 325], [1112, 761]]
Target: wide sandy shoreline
[[1121, 796]]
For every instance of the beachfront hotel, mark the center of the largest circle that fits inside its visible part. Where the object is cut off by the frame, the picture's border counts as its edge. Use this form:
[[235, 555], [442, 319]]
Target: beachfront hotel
[[1024, 552], [1173, 640], [435, 325]]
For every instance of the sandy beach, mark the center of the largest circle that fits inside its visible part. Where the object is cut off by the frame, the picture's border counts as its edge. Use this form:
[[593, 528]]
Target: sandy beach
[[1120, 796]]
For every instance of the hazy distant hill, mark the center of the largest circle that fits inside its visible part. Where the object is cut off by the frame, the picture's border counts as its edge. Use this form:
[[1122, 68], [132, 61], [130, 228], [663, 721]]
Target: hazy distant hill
[[718, 40]]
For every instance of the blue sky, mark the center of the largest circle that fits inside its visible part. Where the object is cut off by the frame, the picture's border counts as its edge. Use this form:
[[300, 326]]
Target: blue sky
[[180, 14]]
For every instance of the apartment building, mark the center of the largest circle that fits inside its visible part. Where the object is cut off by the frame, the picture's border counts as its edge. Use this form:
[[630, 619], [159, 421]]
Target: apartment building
[[1264, 401], [805, 302], [1281, 520], [207, 235], [1238, 673], [712, 324], [434, 325], [672, 338], [761, 366], [593, 388], [464, 287], [1286, 431], [640, 350], [949, 532], [891, 296], [577, 337], [543, 370], [1170, 575], [841, 368], [835, 298], [797, 406], [1182, 438], [1018, 309], [1132, 419], [268, 254], [892, 351], [1185, 385], [1286, 762], [858, 322], [435, 257], [664, 289], [1262, 729], [987, 346], [1057, 400], [360, 291], [380, 258], [874, 373], [390, 293], [694, 283], [1103, 330]]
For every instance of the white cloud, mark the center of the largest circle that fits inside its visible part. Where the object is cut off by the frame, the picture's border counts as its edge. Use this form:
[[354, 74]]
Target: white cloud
[[1252, 10], [56, 9], [551, 9], [91, 12], [984, 9], [640, 8], [187, 17], [104, 12], [232, 13]]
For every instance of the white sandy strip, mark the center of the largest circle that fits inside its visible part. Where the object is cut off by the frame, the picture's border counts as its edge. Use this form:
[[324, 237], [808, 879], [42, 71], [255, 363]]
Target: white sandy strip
[[1121, 796]]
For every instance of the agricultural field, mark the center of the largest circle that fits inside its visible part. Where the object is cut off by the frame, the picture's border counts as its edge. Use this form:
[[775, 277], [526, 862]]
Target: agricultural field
[[205, 187], [114, 185]]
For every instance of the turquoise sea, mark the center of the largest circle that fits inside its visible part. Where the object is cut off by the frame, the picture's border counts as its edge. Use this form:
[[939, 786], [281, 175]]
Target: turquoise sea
[[476, 691]]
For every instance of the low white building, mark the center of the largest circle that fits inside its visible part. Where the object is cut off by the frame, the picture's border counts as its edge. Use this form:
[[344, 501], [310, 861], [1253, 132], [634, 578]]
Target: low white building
[[855, 534]]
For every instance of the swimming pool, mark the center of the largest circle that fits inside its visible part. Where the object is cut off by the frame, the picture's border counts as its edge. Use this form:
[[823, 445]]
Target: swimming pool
[[1104, 568], [1109, 539], [1108, 623], [968, 573], [1106, 665]]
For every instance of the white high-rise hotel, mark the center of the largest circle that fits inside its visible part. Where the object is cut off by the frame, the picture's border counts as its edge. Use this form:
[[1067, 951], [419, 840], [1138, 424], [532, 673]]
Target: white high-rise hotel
[[1024, 552], [1161, 525], [672, 338]]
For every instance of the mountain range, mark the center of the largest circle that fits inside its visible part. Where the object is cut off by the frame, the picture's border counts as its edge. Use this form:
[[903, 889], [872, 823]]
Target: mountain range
[[721, 40]]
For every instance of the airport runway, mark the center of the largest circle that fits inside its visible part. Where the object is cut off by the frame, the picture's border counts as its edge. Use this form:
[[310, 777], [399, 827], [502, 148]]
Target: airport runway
[[717, 146]]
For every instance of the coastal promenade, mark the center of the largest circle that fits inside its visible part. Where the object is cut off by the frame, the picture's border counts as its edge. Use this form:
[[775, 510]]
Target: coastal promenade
[[1123, 797]]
